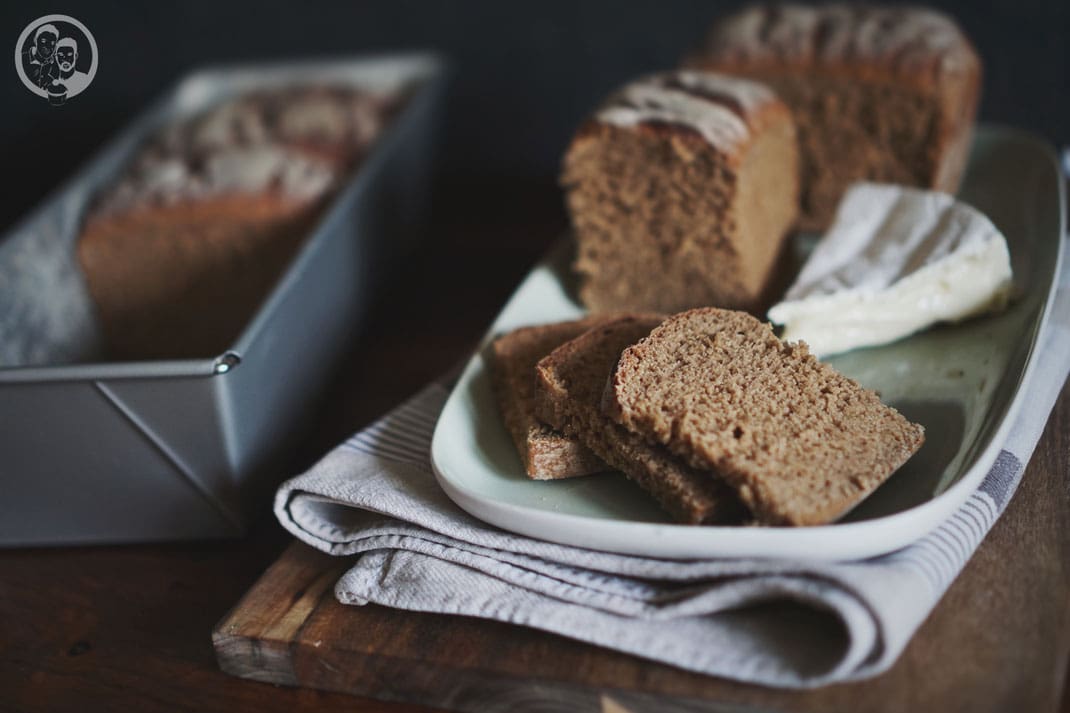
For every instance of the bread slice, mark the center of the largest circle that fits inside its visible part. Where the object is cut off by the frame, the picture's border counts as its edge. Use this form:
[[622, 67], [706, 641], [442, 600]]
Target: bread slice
[[546, 454], [569, 387], [801, 443]]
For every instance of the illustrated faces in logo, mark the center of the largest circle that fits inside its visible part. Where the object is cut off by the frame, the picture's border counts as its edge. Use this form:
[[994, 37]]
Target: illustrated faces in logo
[[66, 74], [56, 57], [66, 56], [37, 58], [44, 42]]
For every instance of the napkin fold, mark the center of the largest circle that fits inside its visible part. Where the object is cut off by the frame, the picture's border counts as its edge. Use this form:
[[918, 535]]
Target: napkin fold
[[777, 623]]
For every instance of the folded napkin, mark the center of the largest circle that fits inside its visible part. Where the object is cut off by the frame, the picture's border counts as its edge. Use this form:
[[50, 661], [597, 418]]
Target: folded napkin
[[778, 623]]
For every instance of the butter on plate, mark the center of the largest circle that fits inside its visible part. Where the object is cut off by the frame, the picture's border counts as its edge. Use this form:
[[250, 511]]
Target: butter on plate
[[895, 261]]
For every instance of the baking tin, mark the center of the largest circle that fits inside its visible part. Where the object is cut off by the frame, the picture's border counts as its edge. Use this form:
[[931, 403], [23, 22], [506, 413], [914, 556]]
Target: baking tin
[[164, 450]]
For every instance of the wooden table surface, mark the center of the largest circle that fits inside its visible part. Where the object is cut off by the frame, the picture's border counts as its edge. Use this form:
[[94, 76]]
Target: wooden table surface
[[129, 627]]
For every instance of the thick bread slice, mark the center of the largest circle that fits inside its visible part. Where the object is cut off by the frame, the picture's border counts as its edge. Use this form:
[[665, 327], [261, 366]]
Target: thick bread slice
[[546, 454], [569, 387], [801, 443]]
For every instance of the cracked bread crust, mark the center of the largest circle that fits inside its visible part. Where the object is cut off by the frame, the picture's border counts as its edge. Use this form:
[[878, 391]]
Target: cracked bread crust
[[180, 249], [879, 93]]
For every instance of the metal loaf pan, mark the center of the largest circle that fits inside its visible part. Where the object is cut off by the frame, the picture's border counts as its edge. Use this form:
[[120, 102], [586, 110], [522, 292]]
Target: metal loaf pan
[[163, 450]]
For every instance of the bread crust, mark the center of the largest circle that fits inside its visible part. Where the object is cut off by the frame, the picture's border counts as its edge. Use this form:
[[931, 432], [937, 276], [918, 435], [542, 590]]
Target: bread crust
[[892, 51], [545, 453], [180, 250], [909, 44], [180, 281]]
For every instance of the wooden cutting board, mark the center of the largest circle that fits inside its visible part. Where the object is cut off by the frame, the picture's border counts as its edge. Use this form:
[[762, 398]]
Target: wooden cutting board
[[998, 640]]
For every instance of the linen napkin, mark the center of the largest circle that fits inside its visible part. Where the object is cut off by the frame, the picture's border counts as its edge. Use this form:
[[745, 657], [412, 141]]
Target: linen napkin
[[777, 623]]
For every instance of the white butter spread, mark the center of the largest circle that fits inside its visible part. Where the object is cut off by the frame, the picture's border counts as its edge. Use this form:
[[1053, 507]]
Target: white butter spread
[[895, 261]]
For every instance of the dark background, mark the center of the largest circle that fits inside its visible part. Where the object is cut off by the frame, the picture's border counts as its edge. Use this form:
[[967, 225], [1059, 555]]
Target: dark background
[[526, 72]]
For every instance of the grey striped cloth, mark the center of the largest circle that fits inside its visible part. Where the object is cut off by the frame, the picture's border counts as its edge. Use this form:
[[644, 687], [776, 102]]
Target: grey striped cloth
[[777, 623]]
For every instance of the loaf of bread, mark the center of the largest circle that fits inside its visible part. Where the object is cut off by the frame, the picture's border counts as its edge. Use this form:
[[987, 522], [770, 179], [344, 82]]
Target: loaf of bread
[[681, 189], [886, 94], [546, 454], [569, 394], [800, 443], [182, 248]]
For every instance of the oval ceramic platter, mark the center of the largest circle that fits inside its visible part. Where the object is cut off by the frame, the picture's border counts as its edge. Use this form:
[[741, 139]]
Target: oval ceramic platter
[[962, 382]]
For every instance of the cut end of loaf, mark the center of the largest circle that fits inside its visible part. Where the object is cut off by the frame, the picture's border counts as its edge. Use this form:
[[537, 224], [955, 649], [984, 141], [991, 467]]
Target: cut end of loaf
[[668, 217]]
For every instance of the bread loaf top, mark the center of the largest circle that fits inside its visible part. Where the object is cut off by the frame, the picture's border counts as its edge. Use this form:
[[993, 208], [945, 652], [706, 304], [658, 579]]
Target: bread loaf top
[[294, 142], [721, 109], [903, 40], [337, 120]]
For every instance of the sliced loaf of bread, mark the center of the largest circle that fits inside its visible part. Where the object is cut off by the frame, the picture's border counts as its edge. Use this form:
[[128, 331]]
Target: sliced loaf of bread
[[545, 453], [569, 387], [681, 189], [883, 93], [799, 442]]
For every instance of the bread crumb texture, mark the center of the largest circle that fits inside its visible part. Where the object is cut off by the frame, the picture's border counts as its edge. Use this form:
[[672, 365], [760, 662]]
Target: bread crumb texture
[[800, 443]]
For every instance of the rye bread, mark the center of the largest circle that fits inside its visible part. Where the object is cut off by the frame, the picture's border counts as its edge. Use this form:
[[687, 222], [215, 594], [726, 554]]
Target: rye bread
[[879, 93], [681, 189], [800, 443], [545, 453], [180, 250], [569, 387]]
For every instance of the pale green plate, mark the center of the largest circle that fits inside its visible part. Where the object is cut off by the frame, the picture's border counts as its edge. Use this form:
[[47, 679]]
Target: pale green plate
[[962, 382]]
